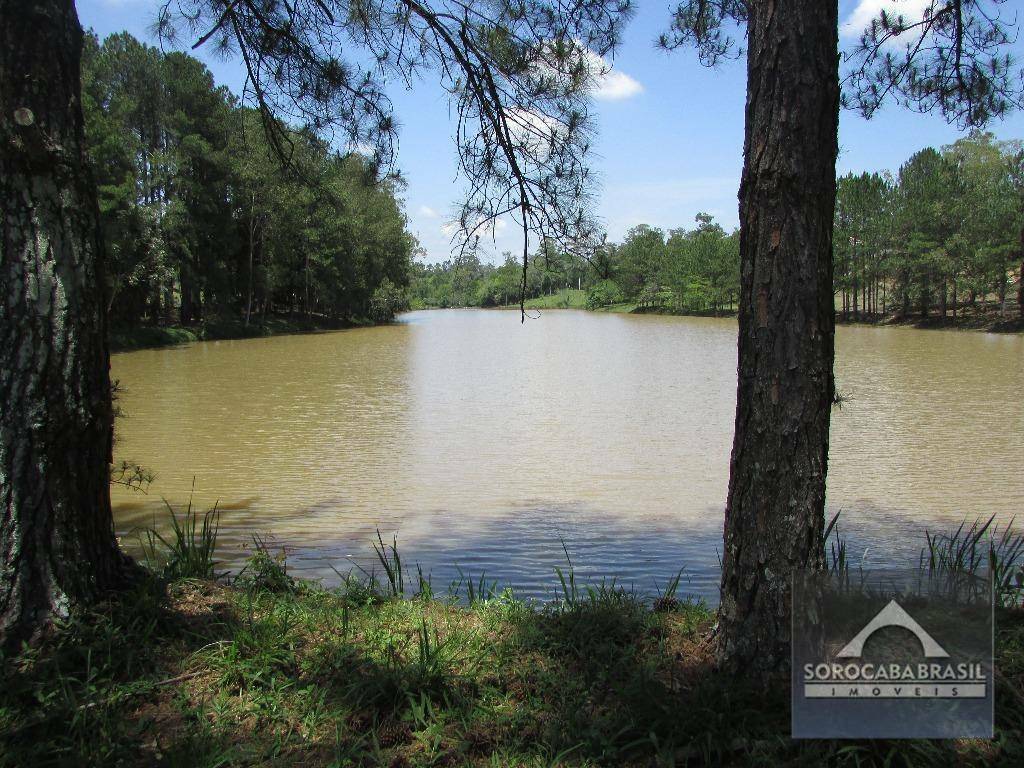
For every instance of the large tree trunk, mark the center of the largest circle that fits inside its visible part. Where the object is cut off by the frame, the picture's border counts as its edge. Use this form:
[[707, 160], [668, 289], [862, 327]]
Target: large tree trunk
[[774, 518], [57, 546]]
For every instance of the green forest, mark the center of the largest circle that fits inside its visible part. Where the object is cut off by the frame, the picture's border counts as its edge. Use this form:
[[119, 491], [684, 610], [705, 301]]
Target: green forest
[[939, 236], [201, 223], [203, 229]]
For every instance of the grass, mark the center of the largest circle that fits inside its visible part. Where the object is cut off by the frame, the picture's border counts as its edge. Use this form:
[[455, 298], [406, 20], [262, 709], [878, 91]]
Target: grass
[[189, 552], [270, 670], [981, 546], [567, 298], [571, 298], [624, 308]]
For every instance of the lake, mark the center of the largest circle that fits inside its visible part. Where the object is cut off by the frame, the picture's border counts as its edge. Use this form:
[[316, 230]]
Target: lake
[[487, 444]]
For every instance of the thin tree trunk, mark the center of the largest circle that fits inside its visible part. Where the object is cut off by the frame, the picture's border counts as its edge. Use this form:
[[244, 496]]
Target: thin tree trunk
[[57, 546], [925, 296], [1020, 278], [168, 316], [856, 286], [185, 279], [1020, 289], [196, 304], [252, 246], [906, 293], [774, 518]]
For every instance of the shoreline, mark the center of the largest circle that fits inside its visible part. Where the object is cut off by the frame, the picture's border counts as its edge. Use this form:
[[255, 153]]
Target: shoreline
[[987, 322], [158, 336]]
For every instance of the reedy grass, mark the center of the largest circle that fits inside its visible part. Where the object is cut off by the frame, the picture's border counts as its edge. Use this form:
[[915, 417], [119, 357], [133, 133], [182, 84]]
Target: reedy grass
[[981, 548], [391, 561], [190, 551]]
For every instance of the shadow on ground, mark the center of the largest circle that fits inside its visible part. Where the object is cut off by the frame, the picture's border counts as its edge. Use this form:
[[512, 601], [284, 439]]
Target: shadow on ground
[[201, 674]]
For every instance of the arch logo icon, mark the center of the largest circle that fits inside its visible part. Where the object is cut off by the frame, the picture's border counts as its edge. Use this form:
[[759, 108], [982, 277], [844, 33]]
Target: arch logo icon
[[897, 655]]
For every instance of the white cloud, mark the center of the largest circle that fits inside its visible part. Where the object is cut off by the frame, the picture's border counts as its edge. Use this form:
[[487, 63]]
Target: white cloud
[[427, 212], [605, 82], [609, 83], [861, 16], [617, 85]]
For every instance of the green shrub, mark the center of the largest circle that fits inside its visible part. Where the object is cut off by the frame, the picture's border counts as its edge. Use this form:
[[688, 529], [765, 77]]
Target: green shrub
[[264, 571], [387, 301], [604, 293]]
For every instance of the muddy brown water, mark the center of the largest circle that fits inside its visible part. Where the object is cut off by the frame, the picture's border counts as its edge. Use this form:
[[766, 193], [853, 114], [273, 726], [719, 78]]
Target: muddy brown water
[[486, 444]]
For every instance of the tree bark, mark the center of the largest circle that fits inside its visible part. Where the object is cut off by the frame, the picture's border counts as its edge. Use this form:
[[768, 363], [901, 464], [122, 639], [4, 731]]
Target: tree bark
[[57, 545], [774, 518]]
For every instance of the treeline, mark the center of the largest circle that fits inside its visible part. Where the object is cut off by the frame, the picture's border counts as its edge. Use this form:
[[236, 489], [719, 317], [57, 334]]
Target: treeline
[[686, 270], [465, 281], [946, 232], [694, 270], [201, 219]]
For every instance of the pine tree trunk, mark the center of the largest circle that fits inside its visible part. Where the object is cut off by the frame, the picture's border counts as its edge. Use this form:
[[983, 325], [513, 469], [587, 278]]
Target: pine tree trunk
[[252, 248], [57, 546], [856, 287], [774, 517]]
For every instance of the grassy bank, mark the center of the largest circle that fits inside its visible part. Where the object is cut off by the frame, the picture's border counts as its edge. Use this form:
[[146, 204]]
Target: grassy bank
[[981, 319], [567, 298], [147, 336], [270, 671], [570, 298]]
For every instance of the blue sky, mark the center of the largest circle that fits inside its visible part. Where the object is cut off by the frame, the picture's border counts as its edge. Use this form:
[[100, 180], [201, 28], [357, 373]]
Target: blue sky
[[671, 131]]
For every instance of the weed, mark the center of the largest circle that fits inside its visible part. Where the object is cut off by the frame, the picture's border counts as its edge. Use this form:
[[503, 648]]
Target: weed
[[190, 550], [264, 571], [391, 561]]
